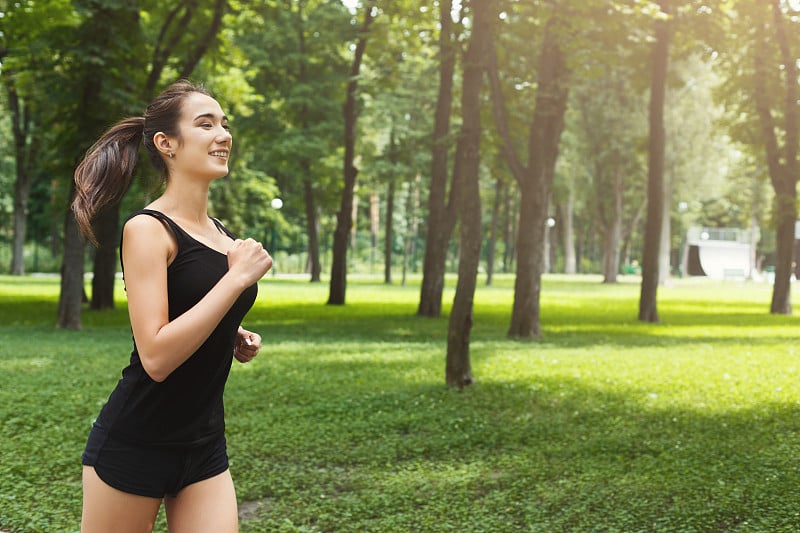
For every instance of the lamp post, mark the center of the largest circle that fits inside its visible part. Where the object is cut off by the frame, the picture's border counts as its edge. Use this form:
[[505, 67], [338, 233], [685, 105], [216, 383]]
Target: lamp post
[[549, 224]]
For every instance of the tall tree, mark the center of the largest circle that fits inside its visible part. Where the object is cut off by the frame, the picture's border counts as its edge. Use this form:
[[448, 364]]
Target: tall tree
[[648, 311], [98, 37], [458, 370], [398, 96], [536, 177], [441, 208], [26, 148], [29, 32], [344, 220], [610, 130], [781, 159], [291, 53]]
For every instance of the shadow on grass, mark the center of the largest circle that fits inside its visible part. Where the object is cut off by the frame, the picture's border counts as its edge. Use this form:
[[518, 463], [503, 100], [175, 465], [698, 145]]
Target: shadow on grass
[[336, 453], [609, 325]]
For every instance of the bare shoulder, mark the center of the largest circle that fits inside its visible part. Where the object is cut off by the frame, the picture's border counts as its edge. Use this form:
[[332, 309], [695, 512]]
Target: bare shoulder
[[145, 234]]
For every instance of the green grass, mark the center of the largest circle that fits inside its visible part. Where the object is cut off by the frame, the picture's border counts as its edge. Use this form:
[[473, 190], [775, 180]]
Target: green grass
[[343, 423]]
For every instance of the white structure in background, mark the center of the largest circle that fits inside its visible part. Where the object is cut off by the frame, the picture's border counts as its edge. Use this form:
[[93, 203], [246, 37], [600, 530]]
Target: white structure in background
[[719, 253]]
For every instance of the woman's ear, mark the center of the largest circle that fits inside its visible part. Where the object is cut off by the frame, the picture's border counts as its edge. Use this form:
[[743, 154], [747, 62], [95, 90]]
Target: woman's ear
[[163, 144]]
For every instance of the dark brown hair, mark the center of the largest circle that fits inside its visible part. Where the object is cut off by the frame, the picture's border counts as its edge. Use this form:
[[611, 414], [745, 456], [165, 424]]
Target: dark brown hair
[[105, 173]]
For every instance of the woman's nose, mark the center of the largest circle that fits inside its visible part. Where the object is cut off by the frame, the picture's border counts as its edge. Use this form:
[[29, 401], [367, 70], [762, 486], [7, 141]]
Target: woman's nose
[[225, 134]]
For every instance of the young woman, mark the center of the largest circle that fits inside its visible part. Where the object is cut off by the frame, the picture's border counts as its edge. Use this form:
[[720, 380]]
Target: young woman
[[189, 283]]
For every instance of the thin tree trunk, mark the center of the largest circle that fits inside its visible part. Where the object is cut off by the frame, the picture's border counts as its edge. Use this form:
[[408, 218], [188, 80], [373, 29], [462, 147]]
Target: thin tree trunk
[[312, 216], [312, 229], [441, 215], [106, 230], [458, 372], [568, 232], [201, 43], [389, 239], [492, 245], [25, 152], [665, 255], [344, 218], [412, 228], [648, 311], [613, 232], [374, 226], [509, 233]]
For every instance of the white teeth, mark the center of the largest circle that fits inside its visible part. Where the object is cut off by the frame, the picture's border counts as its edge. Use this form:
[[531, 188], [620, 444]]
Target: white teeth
[[219, 154]]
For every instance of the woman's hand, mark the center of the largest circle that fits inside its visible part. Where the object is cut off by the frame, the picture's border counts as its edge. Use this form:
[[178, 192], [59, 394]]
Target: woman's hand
[[246, 345], [248, 259]]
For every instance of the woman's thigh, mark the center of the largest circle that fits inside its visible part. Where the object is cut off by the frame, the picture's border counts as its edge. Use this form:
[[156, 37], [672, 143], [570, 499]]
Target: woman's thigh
[[205, 506], [108, 509]]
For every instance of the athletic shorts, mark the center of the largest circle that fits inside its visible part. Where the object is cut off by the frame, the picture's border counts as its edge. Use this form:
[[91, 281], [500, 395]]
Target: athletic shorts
[[154, 472]]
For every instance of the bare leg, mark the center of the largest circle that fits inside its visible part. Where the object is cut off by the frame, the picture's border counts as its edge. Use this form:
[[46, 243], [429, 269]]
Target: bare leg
[[108, 509], [205, 506]]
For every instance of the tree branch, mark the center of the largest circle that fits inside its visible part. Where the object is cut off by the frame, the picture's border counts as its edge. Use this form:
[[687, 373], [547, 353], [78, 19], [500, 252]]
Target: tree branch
[[501, 116], [790, 73], [205, 41], [763, 110]]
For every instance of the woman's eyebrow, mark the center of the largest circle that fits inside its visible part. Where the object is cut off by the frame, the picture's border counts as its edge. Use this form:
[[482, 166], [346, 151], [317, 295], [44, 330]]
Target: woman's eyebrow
[[211, 115]]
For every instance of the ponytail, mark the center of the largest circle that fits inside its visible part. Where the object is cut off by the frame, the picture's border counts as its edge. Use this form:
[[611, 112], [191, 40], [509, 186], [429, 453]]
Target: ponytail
[[105, 173]]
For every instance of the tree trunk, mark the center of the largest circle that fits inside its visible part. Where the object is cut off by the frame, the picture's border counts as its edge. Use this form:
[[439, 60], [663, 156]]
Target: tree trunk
[[312, 229], [412, 228], [535, 179], [389, 238], [648, 311], [492, 245], [106, 224], [22, 189], [441, 216], [568, 232], [781, 161], [509, 232], [458, 372], [527, 284], [71, 298], [344, 218], [106, 230], [25, 152], [665, 248], [374, 226], [612, 238]]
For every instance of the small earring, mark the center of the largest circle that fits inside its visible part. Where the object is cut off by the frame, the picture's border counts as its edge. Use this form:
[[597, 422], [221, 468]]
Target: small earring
[[171, 155]]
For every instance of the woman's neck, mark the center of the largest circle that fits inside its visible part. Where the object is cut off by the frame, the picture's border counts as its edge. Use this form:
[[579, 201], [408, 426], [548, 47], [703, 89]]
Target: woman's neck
[[186, 202]]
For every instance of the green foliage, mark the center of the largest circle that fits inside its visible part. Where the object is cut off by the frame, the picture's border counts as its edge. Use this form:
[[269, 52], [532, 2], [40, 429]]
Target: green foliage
[[344, 424]]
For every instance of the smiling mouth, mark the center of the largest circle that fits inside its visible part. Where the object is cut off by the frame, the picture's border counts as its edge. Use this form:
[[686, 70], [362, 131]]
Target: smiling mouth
[[220, 153]]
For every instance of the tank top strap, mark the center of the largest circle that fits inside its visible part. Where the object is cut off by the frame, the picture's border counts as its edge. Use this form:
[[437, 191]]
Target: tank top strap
[[181, 236], [222, 228]]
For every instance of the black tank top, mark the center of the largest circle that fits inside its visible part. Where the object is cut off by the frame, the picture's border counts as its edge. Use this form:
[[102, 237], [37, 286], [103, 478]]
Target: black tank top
[[186, 408]]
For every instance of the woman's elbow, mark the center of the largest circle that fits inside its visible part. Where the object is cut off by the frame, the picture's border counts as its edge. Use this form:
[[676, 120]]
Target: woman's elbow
[[157, 372]]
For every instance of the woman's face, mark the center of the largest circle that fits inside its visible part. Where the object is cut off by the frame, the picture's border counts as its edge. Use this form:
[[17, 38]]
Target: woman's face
[[205, 140]]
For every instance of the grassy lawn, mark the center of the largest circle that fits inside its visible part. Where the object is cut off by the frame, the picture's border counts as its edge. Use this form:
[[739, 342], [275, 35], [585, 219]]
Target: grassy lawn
[[343, 423]]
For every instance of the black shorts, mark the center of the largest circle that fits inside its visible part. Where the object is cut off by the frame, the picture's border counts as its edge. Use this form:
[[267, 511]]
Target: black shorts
[[154, 471]]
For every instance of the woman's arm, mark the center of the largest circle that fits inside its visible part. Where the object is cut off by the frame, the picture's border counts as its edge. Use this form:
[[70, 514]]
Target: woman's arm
[[163, 345]]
